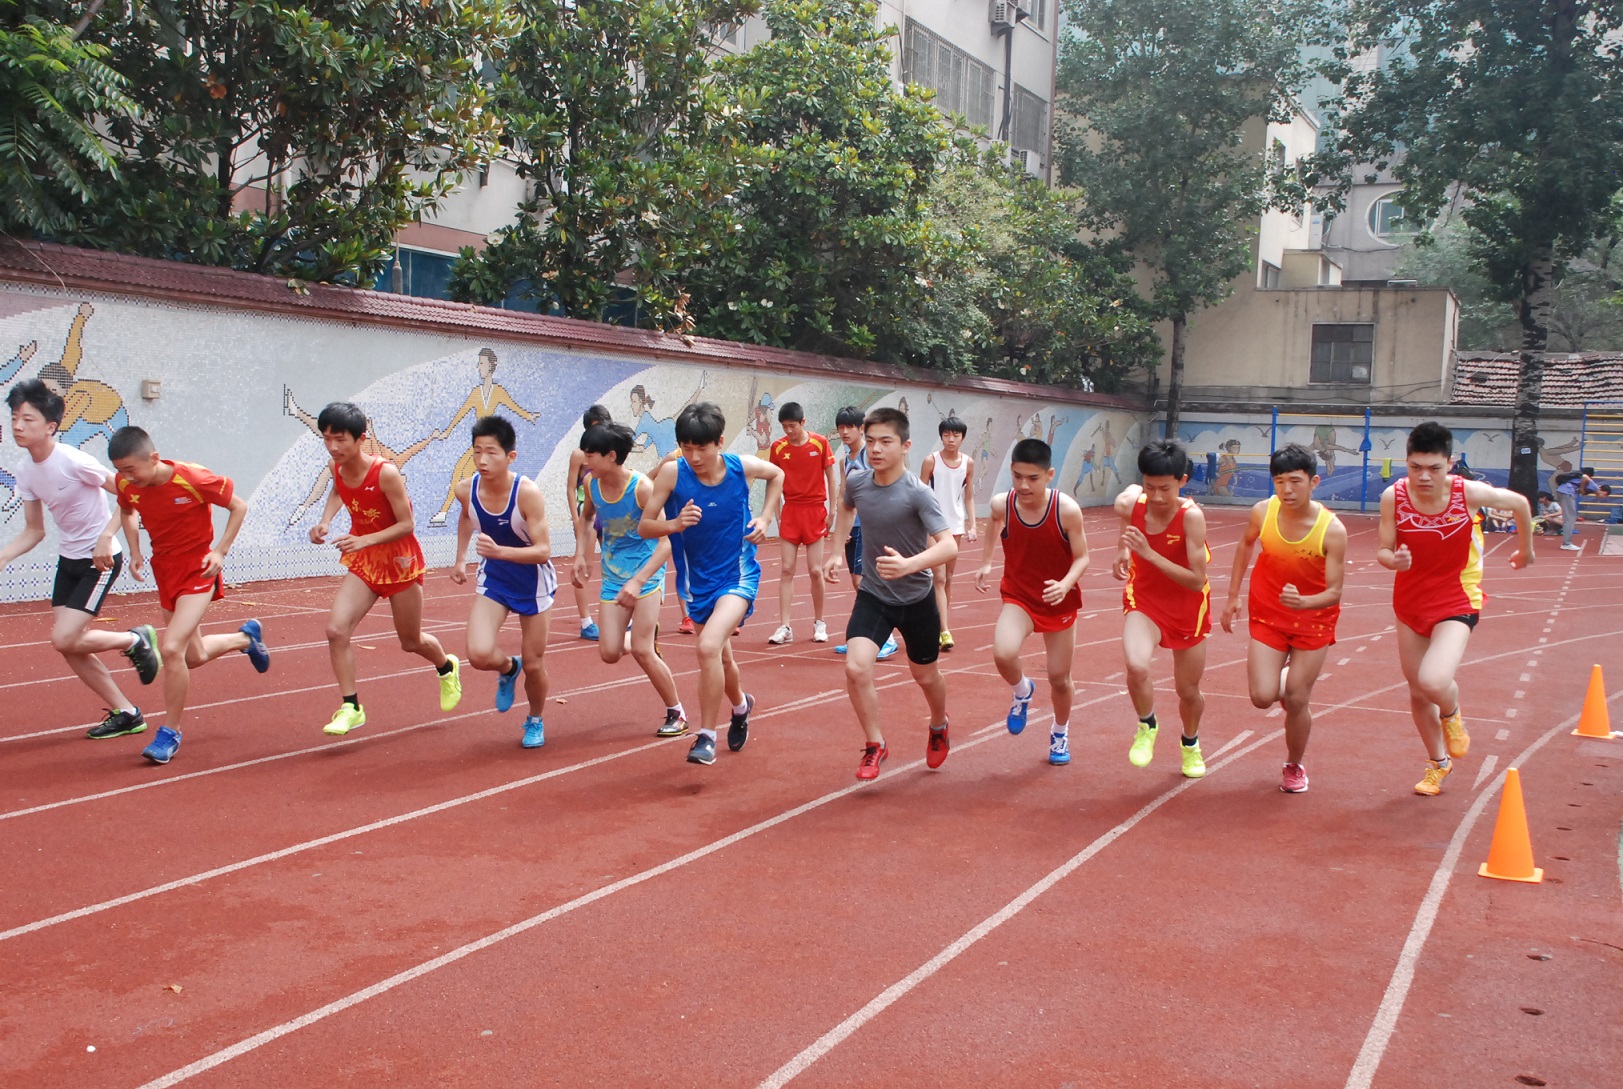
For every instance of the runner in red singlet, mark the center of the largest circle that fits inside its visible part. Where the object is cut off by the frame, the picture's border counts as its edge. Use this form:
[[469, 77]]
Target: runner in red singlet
[[1162, 557], [1431, 536], [383, 557], [1044, 555], [1295, 597]]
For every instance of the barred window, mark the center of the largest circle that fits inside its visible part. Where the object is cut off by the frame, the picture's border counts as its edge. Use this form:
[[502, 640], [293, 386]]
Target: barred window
[[1030, 122], [961, 83], [1343, 353]]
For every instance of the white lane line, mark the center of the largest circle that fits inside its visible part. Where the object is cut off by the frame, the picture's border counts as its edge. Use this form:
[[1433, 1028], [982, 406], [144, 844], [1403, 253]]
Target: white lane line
[[887, 998], [1397, 990], [1485, 770], [1510, 712], [258, 1040], [1502, 735]]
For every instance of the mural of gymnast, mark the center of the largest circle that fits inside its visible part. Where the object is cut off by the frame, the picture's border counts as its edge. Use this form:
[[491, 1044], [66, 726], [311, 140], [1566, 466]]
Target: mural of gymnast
[[1107, 462], [656, 434], [91, 408], [369, 444], [483, 400]]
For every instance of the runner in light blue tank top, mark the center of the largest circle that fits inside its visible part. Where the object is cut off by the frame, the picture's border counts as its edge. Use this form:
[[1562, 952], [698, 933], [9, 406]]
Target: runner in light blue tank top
[[625, 551]]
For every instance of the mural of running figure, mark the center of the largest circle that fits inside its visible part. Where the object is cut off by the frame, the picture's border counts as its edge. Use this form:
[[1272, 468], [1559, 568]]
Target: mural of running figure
[[653, 433], [1324, 444], [483, 400], [91, 408], [370, 445], [1107, 462]]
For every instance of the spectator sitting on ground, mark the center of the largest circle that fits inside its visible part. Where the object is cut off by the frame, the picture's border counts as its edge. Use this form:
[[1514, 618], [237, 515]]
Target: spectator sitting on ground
[[1498, 521], [1549, 514]]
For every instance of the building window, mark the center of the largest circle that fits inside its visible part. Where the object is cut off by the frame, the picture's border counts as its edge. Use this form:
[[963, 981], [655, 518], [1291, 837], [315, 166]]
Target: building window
[[1269, 279], [423, 273], [962, 84], [1039, 12], [1030, 121], [1387, 219], [1343, 354]]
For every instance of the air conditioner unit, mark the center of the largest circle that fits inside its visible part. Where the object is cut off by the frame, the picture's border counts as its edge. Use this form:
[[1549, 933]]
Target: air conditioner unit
[[1022, 159], [1005, 14]]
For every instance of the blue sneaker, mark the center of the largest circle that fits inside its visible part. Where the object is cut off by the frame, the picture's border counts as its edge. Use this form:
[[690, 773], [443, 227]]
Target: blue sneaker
[[888, 649], [590, 631], [840, 649], [535, 733], [256, 650], [505, 683], [703, 750], [1059, 749], [164, 746], [1019, 709]]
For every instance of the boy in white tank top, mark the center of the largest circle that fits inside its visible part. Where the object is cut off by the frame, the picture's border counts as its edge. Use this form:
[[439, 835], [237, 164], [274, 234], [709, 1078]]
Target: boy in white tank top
[[951, 475]]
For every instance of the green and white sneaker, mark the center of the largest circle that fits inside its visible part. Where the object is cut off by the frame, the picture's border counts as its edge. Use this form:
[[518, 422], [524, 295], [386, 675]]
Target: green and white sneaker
[[1143, 748], [1194, 764], [345, 719]]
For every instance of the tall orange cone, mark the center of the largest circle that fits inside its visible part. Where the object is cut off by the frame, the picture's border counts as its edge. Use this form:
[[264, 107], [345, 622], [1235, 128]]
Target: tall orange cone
[[1595, 721], [1510, 856]]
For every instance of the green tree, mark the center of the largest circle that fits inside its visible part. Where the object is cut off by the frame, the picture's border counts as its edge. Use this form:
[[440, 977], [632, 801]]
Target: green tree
[[1160, 96], [52, 88], [1514, 107], [1442, 258], [831, 247], [611, 114], [288, 138]]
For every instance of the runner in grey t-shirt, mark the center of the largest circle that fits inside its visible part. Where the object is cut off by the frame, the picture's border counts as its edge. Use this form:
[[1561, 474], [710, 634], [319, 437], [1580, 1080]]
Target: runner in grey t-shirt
[[904, 514]]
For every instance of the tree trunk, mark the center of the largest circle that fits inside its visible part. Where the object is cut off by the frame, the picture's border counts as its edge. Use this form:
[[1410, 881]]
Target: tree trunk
[[1180, 325], [1533, 310]]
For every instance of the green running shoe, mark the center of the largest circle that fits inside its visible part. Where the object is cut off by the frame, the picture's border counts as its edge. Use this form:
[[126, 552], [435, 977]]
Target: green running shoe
[[1194, 764], [1143, 749]]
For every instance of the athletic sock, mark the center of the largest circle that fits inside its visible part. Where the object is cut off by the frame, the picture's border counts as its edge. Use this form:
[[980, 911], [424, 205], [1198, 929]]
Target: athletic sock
[[354, 701], [1061, 728], [1442, 761], [512, 667], [741, 708], [445, 669], [679, 712], [1190, 742], [1148, 720], [1030, 687], [585, 622], [711, 734]]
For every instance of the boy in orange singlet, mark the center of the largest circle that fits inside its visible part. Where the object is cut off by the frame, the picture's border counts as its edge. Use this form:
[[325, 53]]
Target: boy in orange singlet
[[1045, 552], [174, 500], [1162, 557], [1431, 535], [1295, 598], [383, 557], [807, 461]]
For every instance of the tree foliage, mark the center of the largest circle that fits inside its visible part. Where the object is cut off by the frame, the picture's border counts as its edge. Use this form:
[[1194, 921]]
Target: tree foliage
[[52, 89], [288, 138], [612, 116], [1513, 108], [1160, 97]]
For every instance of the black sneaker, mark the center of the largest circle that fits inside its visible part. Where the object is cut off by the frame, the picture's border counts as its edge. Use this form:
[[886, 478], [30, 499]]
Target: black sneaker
[[143, 654], [738, 731], [675, 724], [117, 724], [703, 750]]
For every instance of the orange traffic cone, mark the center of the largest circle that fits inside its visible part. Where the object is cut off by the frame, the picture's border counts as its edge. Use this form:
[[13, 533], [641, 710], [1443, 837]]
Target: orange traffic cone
[[1595, 721], [1510, 856]]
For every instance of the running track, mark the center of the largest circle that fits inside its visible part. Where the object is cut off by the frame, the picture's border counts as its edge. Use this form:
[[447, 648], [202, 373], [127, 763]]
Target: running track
[[424, 903]]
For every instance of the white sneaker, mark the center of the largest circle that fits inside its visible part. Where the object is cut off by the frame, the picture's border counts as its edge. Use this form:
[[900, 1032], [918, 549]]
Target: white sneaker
[[781, 636], [1570, 548], [819, 632]]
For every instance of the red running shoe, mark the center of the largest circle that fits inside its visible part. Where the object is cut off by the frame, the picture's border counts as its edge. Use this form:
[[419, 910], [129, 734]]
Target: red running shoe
[[686, 627], [872, 757], [936, 754]]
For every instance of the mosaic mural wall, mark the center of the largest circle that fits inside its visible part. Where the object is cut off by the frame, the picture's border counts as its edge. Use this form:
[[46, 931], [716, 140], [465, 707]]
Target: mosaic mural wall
[[239, 392]]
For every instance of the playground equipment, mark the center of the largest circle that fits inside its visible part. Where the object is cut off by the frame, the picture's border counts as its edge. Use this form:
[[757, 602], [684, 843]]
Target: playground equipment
[[1346, 419]]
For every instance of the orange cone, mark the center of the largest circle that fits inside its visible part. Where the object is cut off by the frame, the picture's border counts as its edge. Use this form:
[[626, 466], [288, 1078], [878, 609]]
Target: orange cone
[[1595, 720], [1510, 856]]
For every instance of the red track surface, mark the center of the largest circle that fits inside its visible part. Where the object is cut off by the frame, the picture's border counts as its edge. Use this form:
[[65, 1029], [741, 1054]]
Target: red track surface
[[642, 921]]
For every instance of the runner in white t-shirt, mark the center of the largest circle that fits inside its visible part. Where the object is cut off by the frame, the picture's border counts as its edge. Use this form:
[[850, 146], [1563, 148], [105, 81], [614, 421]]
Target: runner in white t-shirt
[[950, 473], [72, 485]]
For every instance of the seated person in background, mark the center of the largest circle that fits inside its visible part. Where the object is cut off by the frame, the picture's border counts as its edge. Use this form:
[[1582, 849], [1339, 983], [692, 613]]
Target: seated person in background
[[1498, 521], [1549, 514]]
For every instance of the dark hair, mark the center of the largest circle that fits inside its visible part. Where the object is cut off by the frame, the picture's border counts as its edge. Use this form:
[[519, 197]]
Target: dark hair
[[1293, 457], [1587, 470], [700, 424], [498, 428], [611, 438], [849, 416], [1606, 489], [594, 416], [791, 412], [1431, 437], [1163, 457], [342, 416], [1547, 497], [1032, 452], [128, 442], [31, 391], [895, 417], [952, 423]]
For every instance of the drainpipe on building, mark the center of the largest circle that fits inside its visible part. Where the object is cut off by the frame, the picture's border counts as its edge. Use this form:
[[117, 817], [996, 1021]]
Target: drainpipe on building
[[1008, 84]]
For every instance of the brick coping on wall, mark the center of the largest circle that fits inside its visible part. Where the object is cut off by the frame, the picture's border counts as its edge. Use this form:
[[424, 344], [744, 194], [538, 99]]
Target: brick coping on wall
[[70, 268]]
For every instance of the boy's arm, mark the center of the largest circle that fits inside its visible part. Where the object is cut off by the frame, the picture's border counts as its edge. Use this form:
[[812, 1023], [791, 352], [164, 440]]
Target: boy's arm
[[132, 542], [653, 522], [465, 527], [581, 570], [756, 469], [1123, 507], [238, 512], [631, 589], [1335, 567], [994, 534], [1390, 555], [1192, 577], [393, 487], [318, 532], [969, 498], [927, 470], [831, 490], [1242, 560], [1481, 494], [842, 532], [33, 532], [893, 565], [1070, 518]]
